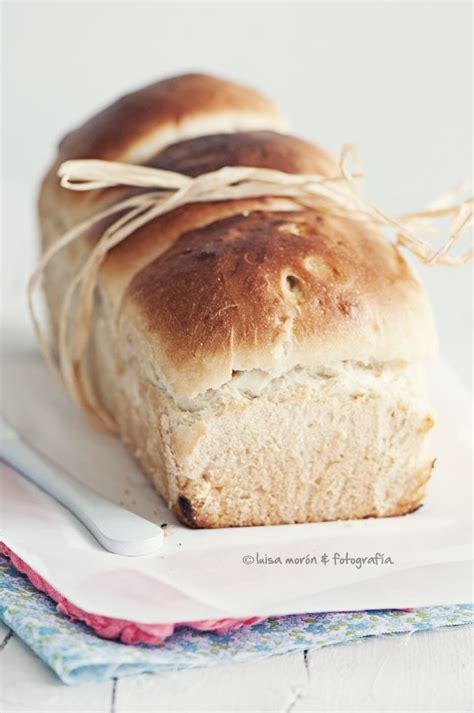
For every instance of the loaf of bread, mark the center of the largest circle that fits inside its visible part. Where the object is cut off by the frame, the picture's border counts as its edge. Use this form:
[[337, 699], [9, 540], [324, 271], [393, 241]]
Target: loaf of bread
[[263, 361]]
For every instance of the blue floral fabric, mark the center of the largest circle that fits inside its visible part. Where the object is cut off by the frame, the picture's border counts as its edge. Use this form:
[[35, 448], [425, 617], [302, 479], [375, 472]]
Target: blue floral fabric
[[78, 656]]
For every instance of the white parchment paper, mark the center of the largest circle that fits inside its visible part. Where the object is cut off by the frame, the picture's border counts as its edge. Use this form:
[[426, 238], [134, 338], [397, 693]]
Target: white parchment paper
[[201, 574]]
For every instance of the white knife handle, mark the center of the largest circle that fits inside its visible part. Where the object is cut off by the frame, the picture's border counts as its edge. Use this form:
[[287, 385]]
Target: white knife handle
[[118, 530]]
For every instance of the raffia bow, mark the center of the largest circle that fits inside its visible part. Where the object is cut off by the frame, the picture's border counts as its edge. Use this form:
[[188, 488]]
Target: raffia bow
[[166, 191]]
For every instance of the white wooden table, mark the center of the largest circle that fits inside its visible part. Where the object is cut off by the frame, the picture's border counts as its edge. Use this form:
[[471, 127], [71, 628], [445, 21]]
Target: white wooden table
[[427, 671]]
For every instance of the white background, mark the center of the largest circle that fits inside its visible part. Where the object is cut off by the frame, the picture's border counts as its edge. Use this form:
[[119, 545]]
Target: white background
[[393, 77]]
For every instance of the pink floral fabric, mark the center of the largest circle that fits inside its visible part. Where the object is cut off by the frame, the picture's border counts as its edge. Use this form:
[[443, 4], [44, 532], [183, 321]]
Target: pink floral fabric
[[128, 632]]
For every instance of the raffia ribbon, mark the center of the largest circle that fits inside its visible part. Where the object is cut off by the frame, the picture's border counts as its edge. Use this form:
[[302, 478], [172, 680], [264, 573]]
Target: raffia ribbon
[[166, 191]]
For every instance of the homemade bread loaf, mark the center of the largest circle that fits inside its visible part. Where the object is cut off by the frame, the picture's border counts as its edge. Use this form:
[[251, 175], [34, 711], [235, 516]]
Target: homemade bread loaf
[[263, 362]]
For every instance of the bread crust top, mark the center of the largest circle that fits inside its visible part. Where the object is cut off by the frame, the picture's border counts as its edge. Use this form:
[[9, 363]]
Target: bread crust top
[[142, 122], [251, 284]]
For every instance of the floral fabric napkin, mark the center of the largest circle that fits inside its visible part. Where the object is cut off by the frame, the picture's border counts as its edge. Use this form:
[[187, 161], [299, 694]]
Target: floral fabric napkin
[[78, 656]]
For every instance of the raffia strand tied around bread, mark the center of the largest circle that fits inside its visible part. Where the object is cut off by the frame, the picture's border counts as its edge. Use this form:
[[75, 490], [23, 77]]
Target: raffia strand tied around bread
[[166, 191]]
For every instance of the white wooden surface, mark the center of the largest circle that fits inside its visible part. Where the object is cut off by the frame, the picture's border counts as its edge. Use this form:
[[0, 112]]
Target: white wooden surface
[[429, 671]]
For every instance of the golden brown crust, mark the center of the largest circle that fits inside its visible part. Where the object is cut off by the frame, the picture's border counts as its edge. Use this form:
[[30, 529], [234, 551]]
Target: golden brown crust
[[140, 124], [240, 285], [265, 149], [271, 290], [114, 133], [154, 238]]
